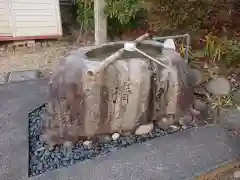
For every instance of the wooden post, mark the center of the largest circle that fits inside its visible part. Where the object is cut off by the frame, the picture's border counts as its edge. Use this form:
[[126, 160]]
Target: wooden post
[[100, 22]]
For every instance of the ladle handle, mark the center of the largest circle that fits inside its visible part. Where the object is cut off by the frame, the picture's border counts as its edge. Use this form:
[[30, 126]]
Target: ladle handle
[[103, 64], [141, 38]]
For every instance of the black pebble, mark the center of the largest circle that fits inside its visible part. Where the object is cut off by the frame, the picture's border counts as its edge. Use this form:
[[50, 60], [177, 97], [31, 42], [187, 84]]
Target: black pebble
[[41, 160]]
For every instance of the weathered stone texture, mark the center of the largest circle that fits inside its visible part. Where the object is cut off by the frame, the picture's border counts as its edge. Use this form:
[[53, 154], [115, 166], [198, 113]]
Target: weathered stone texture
[[17, 76], [130, 92]]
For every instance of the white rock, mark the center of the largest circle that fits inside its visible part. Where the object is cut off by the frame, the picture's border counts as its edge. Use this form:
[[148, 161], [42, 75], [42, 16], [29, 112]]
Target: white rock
[[51, 146], [236, 174], [164, 123], [88, 144], [144, 129], [41, 149], [42, 137], [115, 136], [175, 127], [67, 147], [67, 144], [218, 87]]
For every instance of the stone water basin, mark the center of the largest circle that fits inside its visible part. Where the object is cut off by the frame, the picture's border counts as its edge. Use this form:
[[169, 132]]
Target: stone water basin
[[128, 95]]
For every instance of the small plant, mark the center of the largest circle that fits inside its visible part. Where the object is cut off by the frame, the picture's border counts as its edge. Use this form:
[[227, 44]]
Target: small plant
[[218, 104], [182, 51], [213, 48], [85, 14], [125, 10], [232, 54], [221, 49], [218, 53]]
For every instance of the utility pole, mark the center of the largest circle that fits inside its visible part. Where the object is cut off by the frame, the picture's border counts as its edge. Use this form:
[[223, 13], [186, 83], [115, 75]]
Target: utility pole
[[100, 22]]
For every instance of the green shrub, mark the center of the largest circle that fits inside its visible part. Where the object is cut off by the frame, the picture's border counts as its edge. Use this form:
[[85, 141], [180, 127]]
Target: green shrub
[[85, 14], [232, 55], [125, 10], [179, 15], [122, 14]]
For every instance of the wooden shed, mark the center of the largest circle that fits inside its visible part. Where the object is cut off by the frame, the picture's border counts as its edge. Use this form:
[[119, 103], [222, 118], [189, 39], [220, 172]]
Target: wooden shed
[[29, 19]]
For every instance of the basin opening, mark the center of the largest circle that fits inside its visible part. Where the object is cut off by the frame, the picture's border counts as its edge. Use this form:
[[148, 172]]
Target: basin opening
[[105, 51]]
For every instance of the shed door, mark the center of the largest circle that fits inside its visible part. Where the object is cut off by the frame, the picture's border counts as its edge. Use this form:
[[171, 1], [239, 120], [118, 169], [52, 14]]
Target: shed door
[[5, 21], [36, 18]]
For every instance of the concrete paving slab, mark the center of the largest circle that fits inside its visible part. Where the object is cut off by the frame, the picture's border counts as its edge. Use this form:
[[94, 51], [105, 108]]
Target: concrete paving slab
[[18, 76], [16, 100], [178, 156], [3, 77]]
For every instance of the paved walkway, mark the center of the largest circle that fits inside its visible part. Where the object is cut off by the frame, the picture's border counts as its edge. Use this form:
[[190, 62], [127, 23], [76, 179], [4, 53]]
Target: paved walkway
[[178, 156], [16, 100]]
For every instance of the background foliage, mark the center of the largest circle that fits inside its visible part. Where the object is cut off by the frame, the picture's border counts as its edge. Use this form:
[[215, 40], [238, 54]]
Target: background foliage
[[161, 15], [179, 15], [122, 14], [214, 26], [165, 17]]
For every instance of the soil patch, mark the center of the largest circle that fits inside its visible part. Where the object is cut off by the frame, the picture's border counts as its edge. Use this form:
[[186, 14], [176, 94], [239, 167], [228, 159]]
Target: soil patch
[[40, 57], [225, 172]]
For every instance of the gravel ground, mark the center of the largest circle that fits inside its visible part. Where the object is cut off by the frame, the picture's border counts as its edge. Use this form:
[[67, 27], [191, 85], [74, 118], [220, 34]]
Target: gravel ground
[[41, 159], [41, 57]]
